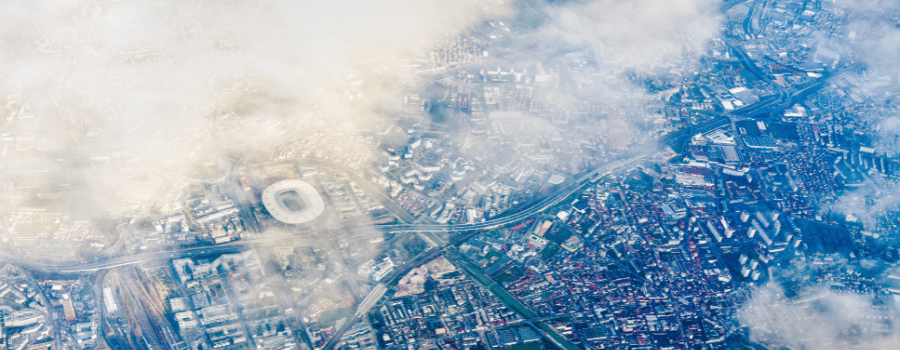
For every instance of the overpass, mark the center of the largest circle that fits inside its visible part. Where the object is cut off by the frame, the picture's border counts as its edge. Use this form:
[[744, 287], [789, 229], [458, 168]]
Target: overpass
[[628, 159], [236, 246]]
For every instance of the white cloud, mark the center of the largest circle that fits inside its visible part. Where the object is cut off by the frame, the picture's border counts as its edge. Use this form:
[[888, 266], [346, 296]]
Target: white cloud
[[169, 83], [819, 319], [869, 202], [639, 33]]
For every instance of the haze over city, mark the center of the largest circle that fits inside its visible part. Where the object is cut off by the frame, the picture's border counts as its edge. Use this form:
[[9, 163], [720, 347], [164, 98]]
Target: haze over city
[[431, 174]]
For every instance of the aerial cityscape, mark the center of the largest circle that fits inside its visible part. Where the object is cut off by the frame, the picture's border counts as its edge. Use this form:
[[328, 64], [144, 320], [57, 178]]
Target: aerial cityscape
[[437, 175]]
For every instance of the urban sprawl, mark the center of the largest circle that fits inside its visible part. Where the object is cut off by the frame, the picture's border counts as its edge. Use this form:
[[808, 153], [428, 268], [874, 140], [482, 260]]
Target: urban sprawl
[[507, 204]]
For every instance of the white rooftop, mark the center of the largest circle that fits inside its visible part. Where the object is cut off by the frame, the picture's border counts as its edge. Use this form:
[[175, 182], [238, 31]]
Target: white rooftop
[[308, 201]]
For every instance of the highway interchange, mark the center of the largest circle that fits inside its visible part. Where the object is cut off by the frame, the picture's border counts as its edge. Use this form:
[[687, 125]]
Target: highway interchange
[[536, 207], [627, 159], [457, 232]]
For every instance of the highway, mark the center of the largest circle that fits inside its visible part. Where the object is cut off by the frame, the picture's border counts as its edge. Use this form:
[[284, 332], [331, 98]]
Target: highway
[[510, 300], [785, 100], [237, 246], [460, 232], [630, 158], [464, 231]]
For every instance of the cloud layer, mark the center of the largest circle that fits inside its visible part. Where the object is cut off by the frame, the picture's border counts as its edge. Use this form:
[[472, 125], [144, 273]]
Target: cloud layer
[[102, 90], [641, 33], [870, 202], [819, 319]]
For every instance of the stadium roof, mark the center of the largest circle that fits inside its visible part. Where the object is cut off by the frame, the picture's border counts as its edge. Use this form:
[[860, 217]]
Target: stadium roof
[[293, 201]]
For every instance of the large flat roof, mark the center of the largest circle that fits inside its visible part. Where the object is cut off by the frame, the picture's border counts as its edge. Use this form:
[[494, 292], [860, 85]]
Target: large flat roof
[[310, 202]]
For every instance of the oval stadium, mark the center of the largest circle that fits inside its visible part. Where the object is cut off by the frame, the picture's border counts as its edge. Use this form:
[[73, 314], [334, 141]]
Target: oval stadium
[[293, 201]]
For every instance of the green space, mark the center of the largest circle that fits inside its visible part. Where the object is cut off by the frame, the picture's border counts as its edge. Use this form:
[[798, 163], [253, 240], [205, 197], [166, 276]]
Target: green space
[[639, 181], [376, 320], [749, 127], [512, 302], [440, 112], [468, 307], [414, 245], [549, 252], [87, 290], [656, 84], [740, 342], [678, 144], [451, 275], [559, 234], [509, 273], [586, 225], [557, 337], [784, 131], [825, 238]]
